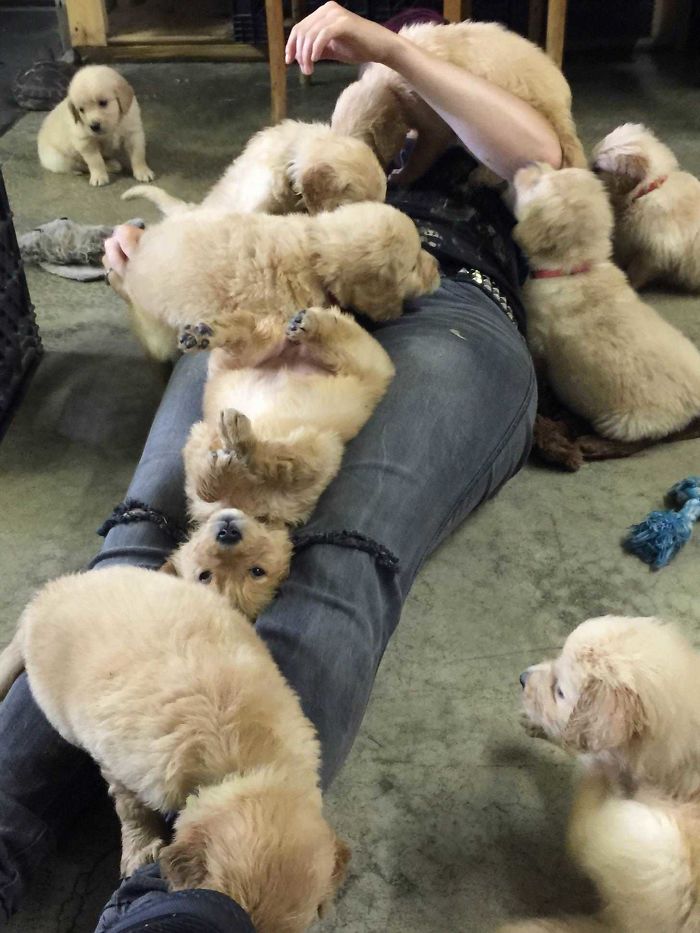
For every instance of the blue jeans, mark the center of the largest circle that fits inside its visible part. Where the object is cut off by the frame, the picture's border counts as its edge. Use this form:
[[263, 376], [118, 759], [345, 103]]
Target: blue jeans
[[454, 426]]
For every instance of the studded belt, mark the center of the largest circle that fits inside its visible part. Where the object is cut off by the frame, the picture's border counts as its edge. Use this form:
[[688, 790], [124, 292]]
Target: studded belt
[[489, 287]]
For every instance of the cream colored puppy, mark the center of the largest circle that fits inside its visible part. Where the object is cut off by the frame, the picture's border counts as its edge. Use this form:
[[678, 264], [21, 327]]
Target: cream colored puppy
[[657, 208], [289, 167], [279, 405], [624, 695], [381, 107], [609, 357], [196, 273], [181, 705], [242, 558], [98, 121]]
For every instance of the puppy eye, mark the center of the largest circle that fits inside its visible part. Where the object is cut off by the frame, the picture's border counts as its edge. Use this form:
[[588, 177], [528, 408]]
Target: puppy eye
[[81, 109], [205, 576], [257, 572], [558, 692], [102, 103]]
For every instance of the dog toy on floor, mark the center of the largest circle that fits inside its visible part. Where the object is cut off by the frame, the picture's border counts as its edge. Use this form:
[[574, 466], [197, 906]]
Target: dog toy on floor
[[69, 249], [661, 535]]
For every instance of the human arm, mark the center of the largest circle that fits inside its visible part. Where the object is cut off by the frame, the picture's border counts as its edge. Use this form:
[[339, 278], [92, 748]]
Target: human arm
[[501, 130]]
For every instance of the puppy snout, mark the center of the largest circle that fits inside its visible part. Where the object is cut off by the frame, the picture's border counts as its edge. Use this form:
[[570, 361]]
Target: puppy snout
[[524, 678], [96, 126], [228, 532]]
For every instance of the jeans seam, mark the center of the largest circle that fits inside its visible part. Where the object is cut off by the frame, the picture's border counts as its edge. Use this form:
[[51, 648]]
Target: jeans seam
[[487, 462]]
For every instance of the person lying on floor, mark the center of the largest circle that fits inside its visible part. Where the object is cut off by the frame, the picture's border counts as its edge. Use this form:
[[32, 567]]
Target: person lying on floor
[[455, 426]]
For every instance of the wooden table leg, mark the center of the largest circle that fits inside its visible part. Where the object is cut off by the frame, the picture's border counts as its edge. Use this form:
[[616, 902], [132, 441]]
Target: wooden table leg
[[455, 11], [275, 50], [87, 20], [556, 27]]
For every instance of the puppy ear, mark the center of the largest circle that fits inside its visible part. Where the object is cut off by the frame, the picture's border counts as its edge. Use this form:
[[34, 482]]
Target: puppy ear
[[634, 165], [605, 717], [320, 188], [169, 568], [124, 93], [73, 111], [343, 854], [183, 863]]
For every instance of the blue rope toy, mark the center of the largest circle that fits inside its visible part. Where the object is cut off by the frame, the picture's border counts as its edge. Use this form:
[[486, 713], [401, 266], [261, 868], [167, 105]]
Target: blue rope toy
[[661, 535]]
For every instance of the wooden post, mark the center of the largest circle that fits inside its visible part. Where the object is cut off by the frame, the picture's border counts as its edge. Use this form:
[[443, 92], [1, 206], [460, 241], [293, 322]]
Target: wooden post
[[455, 11], [87, 20], [556, 28], [275, 50]]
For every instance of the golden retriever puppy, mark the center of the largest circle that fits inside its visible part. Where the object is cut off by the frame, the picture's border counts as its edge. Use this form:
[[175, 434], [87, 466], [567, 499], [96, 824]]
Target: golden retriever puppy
[[289, 167], [624, 695], [183, 708], [656, 206], [203, 268], [242, 558], [99, 120], [278, 407], [609, 357], [381, 107]]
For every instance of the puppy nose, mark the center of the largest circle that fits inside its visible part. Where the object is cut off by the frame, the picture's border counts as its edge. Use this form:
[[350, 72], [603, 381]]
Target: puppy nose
[[523, 678], [595, 168], [228, 532], [95, 125]]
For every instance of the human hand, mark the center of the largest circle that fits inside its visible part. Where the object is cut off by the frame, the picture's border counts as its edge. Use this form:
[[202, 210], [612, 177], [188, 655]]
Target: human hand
[[120, 247], [333, 32]]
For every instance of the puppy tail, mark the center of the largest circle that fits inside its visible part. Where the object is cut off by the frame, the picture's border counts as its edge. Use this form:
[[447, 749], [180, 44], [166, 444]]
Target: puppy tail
[[11, 665], [572, 154], [165, 202]]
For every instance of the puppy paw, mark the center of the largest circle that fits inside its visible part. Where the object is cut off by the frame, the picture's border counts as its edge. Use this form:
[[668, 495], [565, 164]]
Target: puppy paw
[[531, 729], [236, 430], [195, 337], [113, 165], [136, 857], [302, 326], [98, 179], [221, 459], [144, 173]]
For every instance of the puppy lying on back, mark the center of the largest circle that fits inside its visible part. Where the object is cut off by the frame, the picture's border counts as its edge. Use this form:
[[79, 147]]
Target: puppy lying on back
[[278, 407], [289, 167], [98, 121], [181, 705], [204, 269], [624, 695], [242, 558], [381, 107], [657, 208], [609, 357]]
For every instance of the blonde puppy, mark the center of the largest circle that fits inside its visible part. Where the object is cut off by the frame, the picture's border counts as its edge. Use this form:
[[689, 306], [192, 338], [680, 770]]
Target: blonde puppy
[[624, 695], [242, 558], [657, 208], [98, 120], [609, 357], [289, 167], [197, 272], [381, 107], [183, 708], [278, 407]]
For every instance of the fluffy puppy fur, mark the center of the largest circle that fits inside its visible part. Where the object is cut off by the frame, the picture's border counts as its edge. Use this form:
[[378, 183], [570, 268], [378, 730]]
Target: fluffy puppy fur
[[98, 121], [242, 558], [181, 705], [289, 167], [609, 357], [624, 695], [656, 206], [278, 407], [206, 268], [381, 107]]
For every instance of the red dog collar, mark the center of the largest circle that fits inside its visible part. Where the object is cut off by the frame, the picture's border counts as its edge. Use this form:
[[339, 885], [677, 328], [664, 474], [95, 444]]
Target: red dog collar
[[650, 187], [557, 273]]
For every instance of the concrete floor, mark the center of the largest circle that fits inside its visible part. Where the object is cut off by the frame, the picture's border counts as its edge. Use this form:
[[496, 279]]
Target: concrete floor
[[455, 817]]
